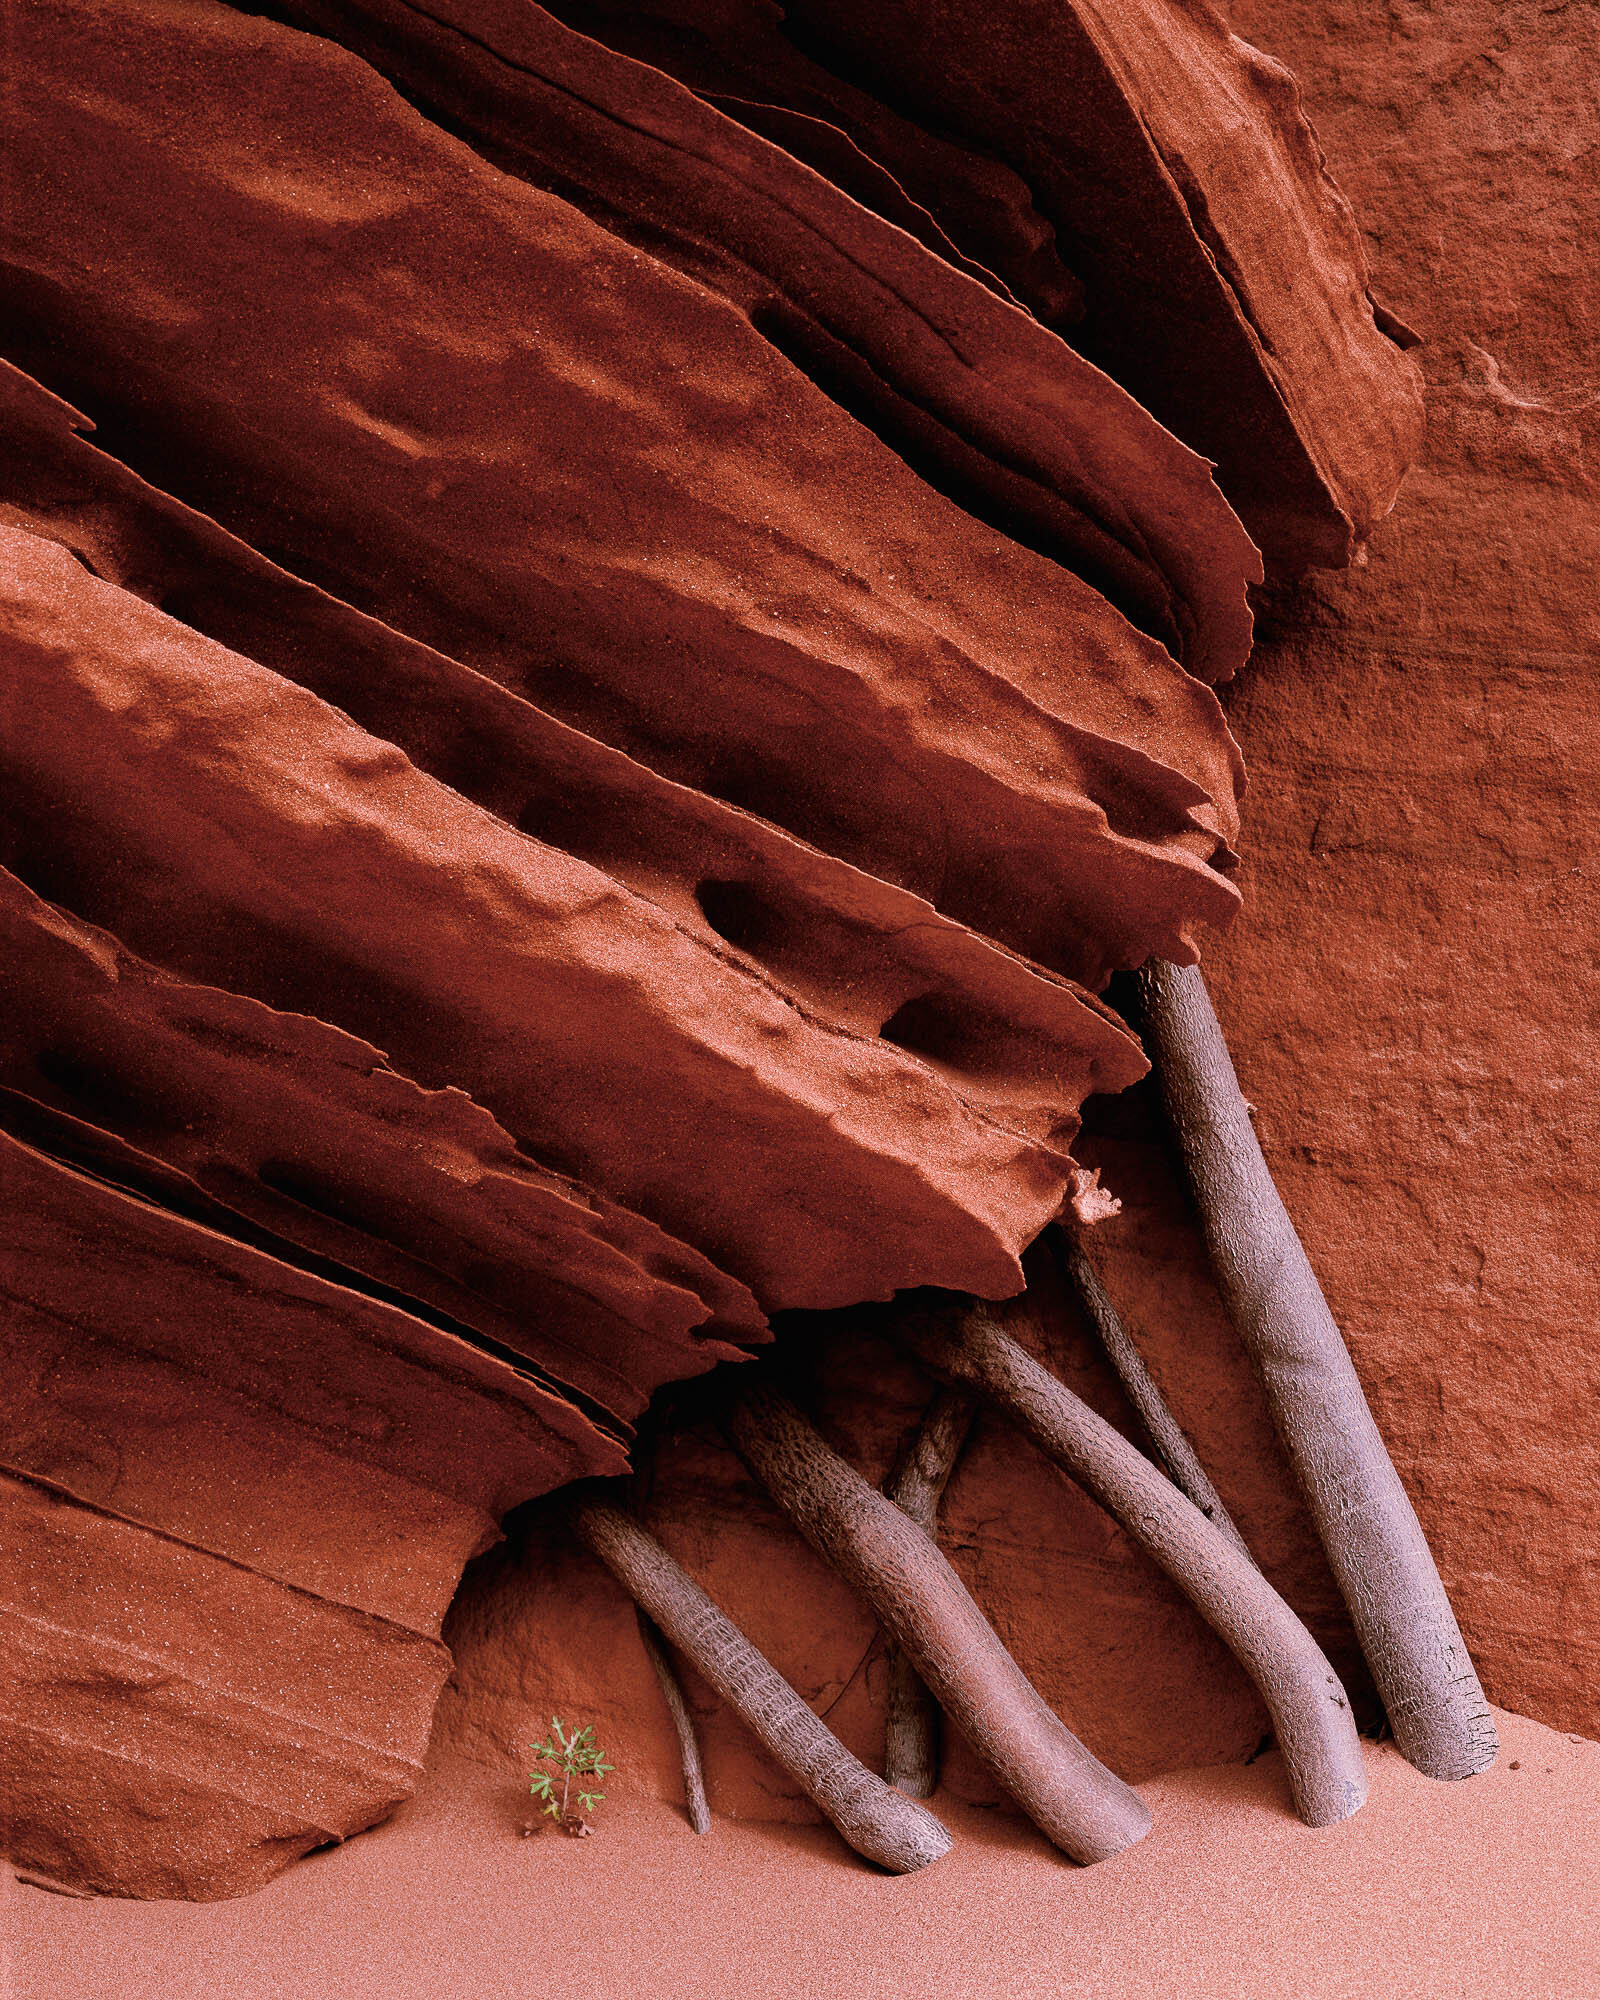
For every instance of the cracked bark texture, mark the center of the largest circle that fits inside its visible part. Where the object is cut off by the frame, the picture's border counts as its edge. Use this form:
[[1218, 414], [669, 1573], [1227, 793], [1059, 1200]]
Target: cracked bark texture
[[694, 1783], [1310, 1710], [911, 1723], [1368, 1525], [1085, 1809], [1173, 1451], [876, 1820]]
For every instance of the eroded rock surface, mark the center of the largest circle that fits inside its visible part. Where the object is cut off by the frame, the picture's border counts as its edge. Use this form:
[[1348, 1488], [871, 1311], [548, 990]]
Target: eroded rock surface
[[267, 845], [1151, 153], [1436, 829], [1409, 996], [237, 1499], [593, 692], [440, 427]]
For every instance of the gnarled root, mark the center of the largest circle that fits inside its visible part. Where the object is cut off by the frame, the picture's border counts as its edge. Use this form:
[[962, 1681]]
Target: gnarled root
[[1310, 1710], [1374, 1541], [876, 1820], [911, 1734], [1173, 1451], [1086, 1810], [694, 1784]]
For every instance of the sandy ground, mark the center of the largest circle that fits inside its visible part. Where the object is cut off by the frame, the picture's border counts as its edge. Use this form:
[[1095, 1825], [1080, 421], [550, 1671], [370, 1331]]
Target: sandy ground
[[1433, 1893]]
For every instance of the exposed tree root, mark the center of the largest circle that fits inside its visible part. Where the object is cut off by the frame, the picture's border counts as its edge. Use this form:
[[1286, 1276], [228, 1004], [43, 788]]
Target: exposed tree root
[[694, 1784], [876, 1820], [1374, 1541], [1309, 1708], [1086, 1810], [911, 1736], [1174, 1453]]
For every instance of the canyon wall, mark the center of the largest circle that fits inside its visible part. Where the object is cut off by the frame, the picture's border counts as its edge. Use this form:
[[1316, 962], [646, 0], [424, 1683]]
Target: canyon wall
[[1424, 746], [584, 719], [1411, 1000], [604, 657]]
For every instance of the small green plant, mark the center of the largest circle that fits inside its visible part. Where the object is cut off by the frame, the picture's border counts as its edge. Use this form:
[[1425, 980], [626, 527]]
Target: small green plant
[[573, 1759]]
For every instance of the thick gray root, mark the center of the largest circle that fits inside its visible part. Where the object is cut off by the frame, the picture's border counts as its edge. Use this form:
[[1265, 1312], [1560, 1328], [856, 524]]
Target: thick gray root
[[1173, 1451], [694, 1783], [876, 1820], [911, 1733], [1310, 1710], [1368, 1526], [1086, 1810]]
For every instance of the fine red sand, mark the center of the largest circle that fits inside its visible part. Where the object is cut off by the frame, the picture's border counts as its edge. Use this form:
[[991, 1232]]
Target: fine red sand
[[1441, 1892]]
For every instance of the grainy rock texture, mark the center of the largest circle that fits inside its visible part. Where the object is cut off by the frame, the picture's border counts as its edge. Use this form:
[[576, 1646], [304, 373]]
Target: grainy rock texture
[[983, 402], [1183, 172], [1424, 859], [589, 589], [1410, 997], [249, 1119], [268, 845], [237, 1498], [677, 542]]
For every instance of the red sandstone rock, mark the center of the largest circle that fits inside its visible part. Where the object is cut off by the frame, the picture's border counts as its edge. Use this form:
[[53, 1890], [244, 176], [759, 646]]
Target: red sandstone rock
[[243, 1341], [678, 544], [176, 1725], [1435, 830], [978, 397], [241, 1115], [1409, 999], [424, 383], [1224, 281], [267, 845], [745, 57], [242, 1497], [843, 943]]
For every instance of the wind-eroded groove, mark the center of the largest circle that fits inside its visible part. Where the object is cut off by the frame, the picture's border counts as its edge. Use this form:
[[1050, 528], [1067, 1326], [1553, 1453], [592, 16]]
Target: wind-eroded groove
[[987, 459]]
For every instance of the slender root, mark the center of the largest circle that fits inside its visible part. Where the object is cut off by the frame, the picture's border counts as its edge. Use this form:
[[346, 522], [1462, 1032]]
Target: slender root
[[911, 1737], [694, 1784], [1074, 1800], [876, 1820], [1368, 1526], [1173, 1451], [1309, 1708]]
